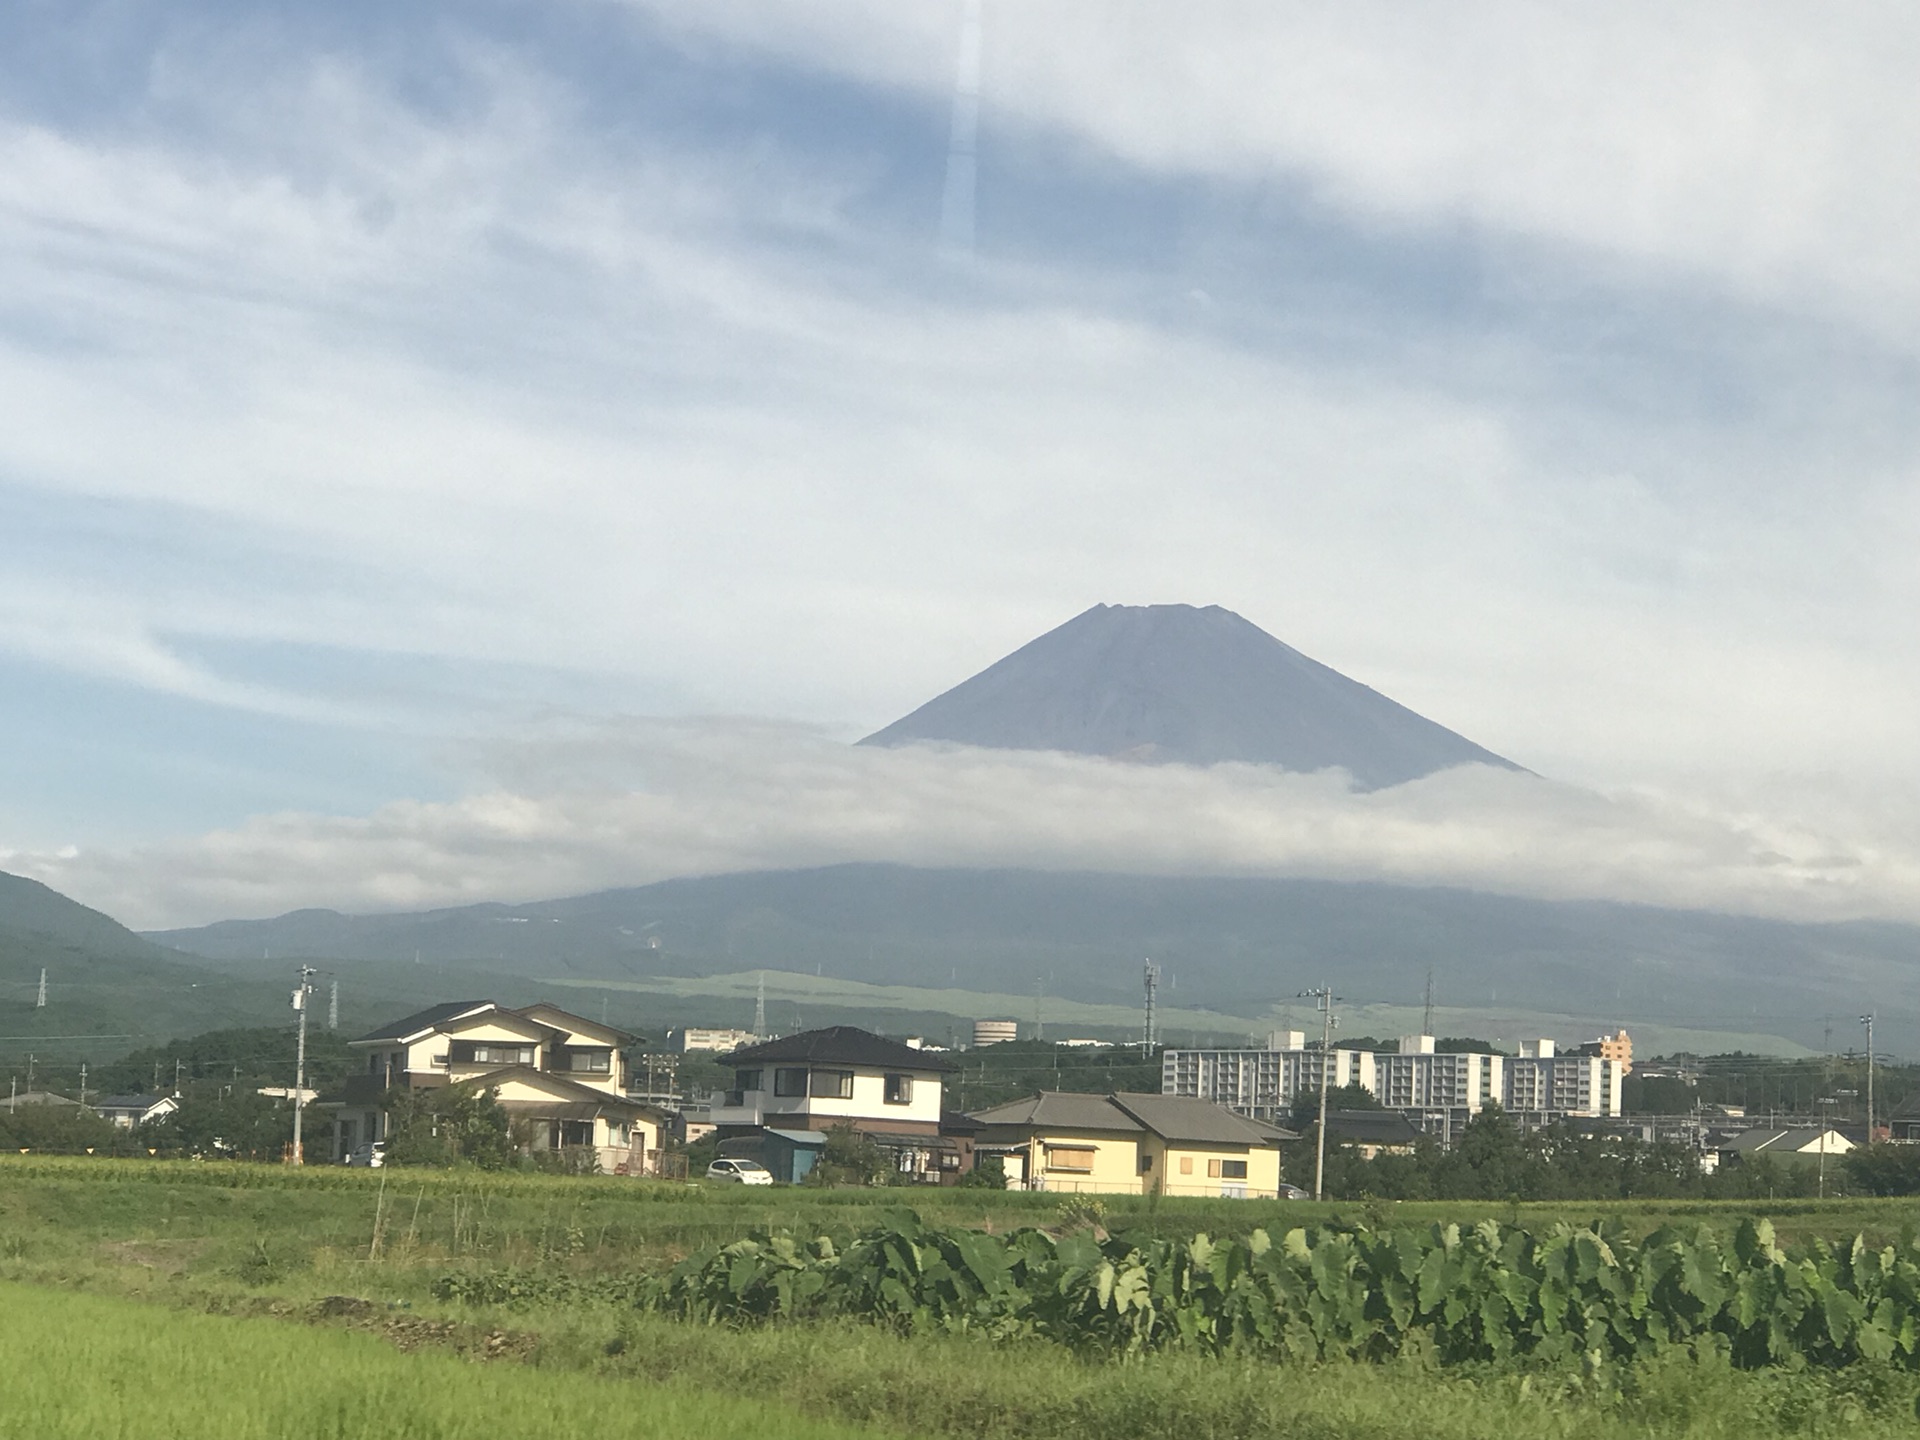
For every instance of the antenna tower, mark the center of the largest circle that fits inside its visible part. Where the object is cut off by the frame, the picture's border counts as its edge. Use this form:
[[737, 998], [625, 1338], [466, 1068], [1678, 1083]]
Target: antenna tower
[[40, 1000], [1426, 1024], [1150, 1033], [760, 1008]]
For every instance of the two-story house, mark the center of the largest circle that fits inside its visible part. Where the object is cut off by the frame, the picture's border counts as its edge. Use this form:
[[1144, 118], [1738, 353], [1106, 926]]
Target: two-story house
[[561, 1079], [788, 1092]]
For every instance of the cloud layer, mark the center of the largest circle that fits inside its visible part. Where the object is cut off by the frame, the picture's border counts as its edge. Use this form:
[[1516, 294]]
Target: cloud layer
[[590, 807]]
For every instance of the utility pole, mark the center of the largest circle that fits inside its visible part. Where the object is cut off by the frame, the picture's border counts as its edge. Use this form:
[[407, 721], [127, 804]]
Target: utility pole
[[1867, 1020], [300, 1061], [1323, 998]]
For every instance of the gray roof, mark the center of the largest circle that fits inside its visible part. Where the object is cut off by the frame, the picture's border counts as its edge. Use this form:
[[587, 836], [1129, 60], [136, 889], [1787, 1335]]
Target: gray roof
[[127, 1102], [1371, 1127], [1785, 1140], [1171, 1117], [1064, 1110], [1186, 1117], [423, 1020], [840, 1045]]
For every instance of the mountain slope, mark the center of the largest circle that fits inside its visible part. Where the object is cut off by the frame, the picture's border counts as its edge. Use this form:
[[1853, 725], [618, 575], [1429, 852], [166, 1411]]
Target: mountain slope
[[1173, 683], [1236, 945]]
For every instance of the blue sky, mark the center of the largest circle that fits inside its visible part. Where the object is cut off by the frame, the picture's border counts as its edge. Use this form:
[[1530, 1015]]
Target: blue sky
[[412, 408]]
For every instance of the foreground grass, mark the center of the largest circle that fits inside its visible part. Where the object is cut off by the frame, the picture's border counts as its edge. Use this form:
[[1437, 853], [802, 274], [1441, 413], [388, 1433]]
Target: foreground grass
[[264, 1242], [92, 1368]]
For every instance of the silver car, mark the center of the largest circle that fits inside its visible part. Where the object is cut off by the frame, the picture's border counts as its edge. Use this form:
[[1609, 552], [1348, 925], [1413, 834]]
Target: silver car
[[742, 1172]]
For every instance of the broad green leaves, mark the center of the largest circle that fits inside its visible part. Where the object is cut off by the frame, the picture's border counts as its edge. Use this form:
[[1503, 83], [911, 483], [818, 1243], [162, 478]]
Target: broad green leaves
[[1487, 1294]]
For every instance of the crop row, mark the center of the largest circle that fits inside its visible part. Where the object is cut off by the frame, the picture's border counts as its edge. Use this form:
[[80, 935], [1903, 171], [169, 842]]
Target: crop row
[[1488, 1293]]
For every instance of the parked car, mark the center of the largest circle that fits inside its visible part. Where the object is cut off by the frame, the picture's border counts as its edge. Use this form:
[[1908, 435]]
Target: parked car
[[744, 1172], [1293, 1192], [370, 1156]]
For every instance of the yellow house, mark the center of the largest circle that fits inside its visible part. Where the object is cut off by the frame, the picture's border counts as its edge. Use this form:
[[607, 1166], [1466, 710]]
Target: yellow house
[[560, 1076], [1125, 1144]]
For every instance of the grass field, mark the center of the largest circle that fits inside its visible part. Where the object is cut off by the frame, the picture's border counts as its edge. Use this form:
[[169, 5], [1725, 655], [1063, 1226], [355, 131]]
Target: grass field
[[94, 1368], [288, 1260]]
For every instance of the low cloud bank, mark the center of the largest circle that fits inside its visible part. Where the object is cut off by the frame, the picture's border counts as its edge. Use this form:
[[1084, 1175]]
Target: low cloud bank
[[625, 804]]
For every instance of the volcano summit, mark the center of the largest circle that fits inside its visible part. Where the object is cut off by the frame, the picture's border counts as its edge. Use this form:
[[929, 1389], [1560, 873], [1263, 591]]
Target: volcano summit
[[1175, 684]]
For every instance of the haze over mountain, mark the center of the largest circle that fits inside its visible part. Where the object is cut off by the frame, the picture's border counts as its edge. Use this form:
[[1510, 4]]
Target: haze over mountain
[[1237, 945], [1180, 684]]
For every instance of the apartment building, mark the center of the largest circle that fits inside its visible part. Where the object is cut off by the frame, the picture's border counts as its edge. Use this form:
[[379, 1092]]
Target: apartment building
[[1437, 1090], [1262, 1084]]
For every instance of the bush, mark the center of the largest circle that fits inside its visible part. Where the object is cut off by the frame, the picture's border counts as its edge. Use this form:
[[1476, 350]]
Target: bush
[[989, 1172]]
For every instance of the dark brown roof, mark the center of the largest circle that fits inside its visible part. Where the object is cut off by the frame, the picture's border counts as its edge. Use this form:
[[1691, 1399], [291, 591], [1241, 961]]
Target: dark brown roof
[[840, 1045]]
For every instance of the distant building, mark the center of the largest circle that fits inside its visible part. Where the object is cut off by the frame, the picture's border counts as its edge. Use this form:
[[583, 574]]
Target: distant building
[[1798, 1143], [128, 1111], [1123, 1144], [787, 1092], [561, 1076], [695, 1038], [994, 1032], [1617, 1048], [1437, 1091], [1262, 1084]]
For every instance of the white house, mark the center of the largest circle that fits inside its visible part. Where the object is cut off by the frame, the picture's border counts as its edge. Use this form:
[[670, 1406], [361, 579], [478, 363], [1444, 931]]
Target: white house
[[793, 1089], [561, 1076], [128, 1111]]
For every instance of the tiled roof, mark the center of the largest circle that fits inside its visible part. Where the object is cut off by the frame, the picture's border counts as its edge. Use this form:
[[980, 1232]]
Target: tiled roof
[[1186, 1117], [1061, 1110], [1177, 1118], [840, 1045]]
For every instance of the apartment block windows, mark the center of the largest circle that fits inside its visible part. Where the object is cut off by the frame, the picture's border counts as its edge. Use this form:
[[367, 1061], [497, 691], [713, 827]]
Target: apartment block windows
[[899, 1090]]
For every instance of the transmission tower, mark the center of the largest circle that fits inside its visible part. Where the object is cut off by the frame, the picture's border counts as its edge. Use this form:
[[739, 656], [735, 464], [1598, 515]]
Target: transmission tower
[[760, 1008], [1426, 1024], [1150, 1033], [40, 1000], [333, 1007]]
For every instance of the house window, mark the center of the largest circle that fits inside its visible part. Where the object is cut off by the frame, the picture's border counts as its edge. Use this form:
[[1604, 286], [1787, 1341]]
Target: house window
[[489, 1052], [749, 1079], [1146, 1163], [899, 1090], [1227, 1169], [594, 1062], [1186, 1164], [789, 1082], [1077, 1158], [833, 1084]]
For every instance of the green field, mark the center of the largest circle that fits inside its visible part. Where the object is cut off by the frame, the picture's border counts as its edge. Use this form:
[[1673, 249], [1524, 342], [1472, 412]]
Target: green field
[[280, 1263]]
